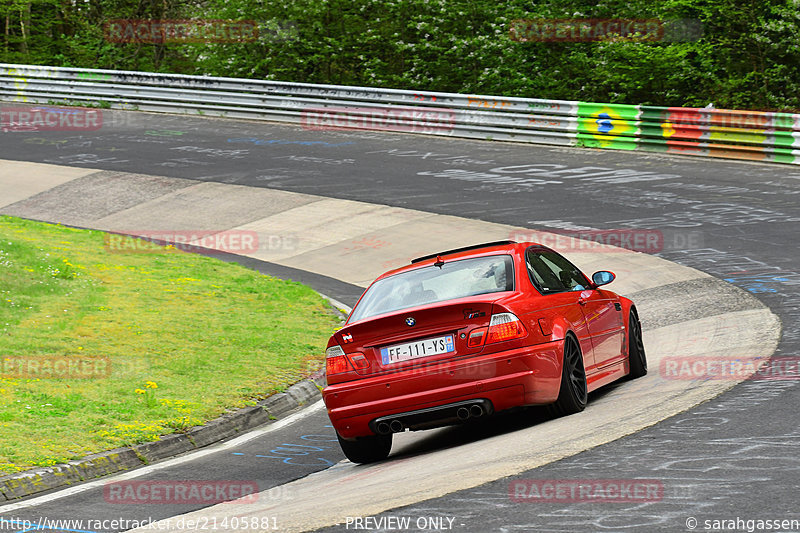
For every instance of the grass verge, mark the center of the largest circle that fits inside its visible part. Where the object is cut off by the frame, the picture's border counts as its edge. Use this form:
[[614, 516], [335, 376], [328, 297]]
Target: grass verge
[[100, 350]]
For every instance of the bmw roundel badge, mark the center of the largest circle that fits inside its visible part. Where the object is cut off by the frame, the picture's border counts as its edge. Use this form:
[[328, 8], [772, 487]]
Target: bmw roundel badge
[[410, 321]]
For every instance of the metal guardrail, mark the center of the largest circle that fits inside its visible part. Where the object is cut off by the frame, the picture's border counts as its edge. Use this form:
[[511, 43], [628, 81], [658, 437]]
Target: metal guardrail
[[749, 135]]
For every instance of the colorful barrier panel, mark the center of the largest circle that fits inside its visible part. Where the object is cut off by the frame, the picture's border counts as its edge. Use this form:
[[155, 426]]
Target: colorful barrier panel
[[608, 126]]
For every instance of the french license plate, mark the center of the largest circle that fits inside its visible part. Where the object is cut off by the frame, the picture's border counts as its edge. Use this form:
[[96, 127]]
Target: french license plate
[[416, 349]]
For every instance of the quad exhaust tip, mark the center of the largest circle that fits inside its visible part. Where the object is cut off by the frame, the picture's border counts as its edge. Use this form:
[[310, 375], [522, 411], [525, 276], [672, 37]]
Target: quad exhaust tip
[[393, 426], [404, 421], [472, 411]]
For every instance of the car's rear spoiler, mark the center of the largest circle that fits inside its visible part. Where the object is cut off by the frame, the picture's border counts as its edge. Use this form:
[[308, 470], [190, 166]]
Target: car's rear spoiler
[[464, 249]]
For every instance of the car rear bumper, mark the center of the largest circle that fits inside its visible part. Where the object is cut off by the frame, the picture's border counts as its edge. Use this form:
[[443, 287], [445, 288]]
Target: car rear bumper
[[522, 376]]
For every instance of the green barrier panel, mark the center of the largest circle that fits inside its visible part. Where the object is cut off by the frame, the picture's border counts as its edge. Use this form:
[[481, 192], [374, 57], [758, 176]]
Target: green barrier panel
[[607, 125]]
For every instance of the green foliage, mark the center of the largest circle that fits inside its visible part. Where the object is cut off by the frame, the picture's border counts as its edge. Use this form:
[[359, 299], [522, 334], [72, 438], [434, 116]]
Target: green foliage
[[747, 56], [171, 340]]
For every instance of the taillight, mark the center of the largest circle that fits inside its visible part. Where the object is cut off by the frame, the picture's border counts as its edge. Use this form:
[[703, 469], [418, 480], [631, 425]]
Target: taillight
[[335, 361], [359, 361], [476, 337], [505, 327]]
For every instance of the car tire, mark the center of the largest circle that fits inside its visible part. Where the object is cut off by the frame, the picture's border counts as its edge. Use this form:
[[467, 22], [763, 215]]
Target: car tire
[[572, 395], [637, 360], [366, 449]]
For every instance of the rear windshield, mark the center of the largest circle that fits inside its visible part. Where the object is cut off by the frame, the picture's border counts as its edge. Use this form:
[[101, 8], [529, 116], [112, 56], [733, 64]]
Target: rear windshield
[[430, 284]]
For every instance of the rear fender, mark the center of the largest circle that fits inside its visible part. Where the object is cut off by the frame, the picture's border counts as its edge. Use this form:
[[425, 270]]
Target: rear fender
[[562, 328]]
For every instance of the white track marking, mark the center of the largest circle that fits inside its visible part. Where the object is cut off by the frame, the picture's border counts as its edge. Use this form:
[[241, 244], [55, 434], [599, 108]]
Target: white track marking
[[313, 408]]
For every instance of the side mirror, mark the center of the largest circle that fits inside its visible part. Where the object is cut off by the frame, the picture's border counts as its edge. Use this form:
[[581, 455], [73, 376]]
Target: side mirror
[[603, 277]]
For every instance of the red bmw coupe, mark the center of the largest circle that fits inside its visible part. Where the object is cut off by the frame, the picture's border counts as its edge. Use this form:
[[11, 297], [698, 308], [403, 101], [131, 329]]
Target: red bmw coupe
[[465, 333]]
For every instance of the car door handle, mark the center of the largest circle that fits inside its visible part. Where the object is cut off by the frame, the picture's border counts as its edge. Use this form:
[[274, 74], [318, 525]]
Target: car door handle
[[581, 301]]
